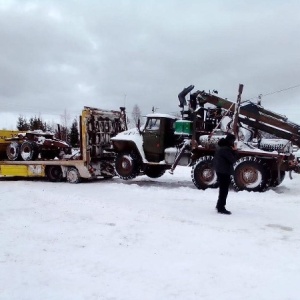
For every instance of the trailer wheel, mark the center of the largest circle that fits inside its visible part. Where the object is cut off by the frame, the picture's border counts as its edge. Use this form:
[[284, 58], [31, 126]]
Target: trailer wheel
[[203, 173], [28, 151], [73, 175], [13, 151], [54, 173], [127, 165], [154, 171], [275, 181], [251, 174]]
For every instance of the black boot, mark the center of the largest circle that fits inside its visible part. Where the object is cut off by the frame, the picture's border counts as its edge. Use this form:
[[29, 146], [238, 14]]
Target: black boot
[[223, 211]]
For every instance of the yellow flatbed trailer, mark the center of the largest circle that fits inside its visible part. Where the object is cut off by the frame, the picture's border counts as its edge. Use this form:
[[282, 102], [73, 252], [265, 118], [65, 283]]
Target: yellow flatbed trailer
[[46, 168]]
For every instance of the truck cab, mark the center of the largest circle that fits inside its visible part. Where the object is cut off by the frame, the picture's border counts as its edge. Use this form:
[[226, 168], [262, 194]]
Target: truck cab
[[158, 134], [142, 150]]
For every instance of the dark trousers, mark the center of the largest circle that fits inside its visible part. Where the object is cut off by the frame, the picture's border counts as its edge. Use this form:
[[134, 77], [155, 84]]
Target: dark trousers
[[224, 182]]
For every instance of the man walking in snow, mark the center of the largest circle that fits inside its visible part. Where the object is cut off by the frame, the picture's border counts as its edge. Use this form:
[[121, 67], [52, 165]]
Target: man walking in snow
[[223, 163]]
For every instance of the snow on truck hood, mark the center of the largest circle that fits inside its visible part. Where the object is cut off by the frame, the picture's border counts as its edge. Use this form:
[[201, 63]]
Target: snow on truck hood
[[134, 136], [128, 135]]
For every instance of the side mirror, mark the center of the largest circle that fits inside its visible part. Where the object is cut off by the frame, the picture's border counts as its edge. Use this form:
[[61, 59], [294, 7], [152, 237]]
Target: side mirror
[[138, 125]]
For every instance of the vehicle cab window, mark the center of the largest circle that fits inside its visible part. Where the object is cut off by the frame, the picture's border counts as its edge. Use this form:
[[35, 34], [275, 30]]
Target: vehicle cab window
[[153, 124]]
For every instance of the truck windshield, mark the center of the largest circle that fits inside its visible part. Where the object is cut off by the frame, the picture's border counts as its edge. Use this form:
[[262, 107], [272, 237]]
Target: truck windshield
[[153, 124]]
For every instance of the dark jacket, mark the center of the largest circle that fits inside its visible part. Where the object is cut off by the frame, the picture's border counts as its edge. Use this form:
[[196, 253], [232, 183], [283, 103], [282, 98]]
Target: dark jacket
[[224, 158]]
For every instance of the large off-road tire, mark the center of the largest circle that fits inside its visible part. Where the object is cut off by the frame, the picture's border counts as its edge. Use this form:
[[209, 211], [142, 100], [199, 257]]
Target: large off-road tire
[[275, 181], [54, 173], [154, 171], [251, 174], [73, 175], [127, 165], [28, 151], [203, 173], [13, 151]]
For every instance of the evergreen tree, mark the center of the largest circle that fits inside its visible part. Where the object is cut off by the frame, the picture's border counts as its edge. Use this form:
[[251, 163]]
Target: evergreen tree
[[36, 124], [74, 134], [22, 124]]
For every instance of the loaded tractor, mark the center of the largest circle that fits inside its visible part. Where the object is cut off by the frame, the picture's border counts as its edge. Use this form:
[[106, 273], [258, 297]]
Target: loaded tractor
[[32, 144], [166, 141]]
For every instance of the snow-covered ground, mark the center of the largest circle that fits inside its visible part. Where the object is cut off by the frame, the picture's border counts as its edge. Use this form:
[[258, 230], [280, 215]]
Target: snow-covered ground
[[147, 240]]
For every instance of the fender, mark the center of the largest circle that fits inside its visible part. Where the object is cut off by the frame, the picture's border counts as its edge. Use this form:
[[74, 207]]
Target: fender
[[130, 140]]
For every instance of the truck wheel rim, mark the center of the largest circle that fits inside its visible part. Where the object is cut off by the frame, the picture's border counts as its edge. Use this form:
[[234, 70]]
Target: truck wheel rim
[[72, 176], [251, 177], [207, 175], [125, 164]]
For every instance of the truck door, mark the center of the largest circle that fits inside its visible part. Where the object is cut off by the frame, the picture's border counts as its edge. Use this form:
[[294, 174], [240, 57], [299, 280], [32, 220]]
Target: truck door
[[153, 140]]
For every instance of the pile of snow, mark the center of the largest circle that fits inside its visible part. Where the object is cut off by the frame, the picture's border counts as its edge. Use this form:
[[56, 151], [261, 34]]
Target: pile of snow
[[147, 239]]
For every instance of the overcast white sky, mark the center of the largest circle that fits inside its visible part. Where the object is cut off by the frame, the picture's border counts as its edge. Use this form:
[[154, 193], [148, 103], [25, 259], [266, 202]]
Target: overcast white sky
[[58, 55]]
